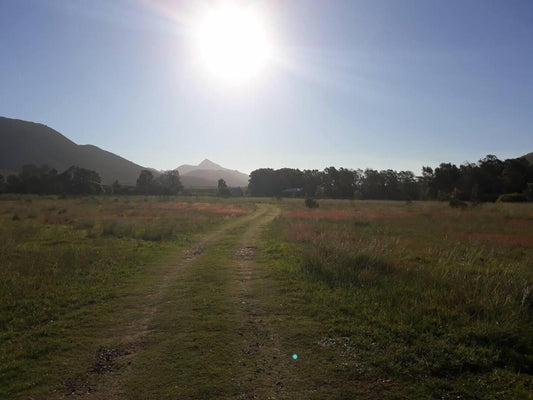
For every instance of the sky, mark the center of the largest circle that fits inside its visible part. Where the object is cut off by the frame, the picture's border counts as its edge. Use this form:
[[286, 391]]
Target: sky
[[357, 84]]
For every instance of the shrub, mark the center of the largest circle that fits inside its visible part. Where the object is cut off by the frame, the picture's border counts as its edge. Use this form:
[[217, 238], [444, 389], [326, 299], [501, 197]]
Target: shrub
[[456, 203], [529, 191], [512, 198], [311, 203]]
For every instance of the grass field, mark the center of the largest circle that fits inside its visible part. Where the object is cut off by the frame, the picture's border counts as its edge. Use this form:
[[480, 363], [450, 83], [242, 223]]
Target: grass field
[[204, 298], [414, 300]]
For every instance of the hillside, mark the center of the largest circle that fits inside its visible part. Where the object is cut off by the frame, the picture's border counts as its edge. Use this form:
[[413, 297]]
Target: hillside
[[204, 165], [207, 173], [528, 157], [26, 142]]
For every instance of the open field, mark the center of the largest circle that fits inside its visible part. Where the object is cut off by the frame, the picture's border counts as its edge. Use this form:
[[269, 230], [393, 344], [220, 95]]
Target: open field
[[204, 298]]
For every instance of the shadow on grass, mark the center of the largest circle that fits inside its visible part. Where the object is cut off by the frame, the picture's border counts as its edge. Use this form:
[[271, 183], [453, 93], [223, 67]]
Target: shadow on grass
[[344, 270]]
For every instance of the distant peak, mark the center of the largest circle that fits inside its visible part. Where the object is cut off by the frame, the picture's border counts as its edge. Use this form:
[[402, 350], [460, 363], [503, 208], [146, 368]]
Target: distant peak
[[208, 164]]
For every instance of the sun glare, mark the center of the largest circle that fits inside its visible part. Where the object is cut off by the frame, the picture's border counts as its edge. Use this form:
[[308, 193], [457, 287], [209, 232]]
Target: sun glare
[[233, 43]]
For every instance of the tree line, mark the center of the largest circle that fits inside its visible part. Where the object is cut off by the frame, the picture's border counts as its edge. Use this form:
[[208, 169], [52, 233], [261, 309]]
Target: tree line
[[76, 180], [485, 180]]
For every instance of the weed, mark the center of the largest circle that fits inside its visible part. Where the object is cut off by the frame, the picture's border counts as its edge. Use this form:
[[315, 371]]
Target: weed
[[311, 203]]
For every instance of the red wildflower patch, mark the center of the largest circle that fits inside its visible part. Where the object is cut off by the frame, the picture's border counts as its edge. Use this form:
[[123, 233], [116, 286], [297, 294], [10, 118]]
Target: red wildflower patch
[[220, 209], [321, 214], [300, 231], [132, 214], [165, 206], [373, 215], [520, 222], [346, 214], [505, 239]]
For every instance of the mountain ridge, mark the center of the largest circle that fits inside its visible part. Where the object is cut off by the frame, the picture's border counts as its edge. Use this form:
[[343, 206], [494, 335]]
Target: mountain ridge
[[529, 157], [207, 173], [26, 142]]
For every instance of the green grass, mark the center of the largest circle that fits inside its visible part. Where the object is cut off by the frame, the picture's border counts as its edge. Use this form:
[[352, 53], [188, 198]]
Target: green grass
[[71, 268], [380, 300], [192, 351], [412, 304]]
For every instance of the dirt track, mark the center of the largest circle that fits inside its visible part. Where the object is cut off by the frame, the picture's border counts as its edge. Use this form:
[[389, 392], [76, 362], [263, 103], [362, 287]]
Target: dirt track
[[109, 376]]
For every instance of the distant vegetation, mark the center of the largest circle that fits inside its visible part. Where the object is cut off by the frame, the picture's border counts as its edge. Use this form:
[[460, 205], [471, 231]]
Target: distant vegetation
[[167, 183], [490, 179], [77, 180], [485, 180], [43, 180]]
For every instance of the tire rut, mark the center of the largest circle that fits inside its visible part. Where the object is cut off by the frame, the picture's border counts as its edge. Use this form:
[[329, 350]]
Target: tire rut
[[104, 379], [261, 349]]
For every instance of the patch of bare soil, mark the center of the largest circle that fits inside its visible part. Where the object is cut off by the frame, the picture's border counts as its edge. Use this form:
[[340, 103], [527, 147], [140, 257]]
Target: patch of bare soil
[[261, 354], [247, 252]]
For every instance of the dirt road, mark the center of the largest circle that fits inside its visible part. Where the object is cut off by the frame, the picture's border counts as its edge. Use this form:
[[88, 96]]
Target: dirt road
[[200, 332]]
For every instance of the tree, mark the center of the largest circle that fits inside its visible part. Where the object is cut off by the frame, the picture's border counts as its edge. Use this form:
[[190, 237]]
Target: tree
[[287, 178], [13, 184], [347, 182], [41, 179], [52, 182], [468, 188], [116, 187], [391, 185], [81, 181], [426, 188], [489, 178], [169, 183], [262, 182], [514, 175], [312, 179], [30, 178], [373, 185], [223, 188], [446, 179], [145, 182], [408, 186]]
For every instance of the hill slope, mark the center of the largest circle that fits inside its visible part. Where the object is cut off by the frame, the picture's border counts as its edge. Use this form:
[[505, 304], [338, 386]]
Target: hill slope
[[26, 142], [528, 157], [207, 173]]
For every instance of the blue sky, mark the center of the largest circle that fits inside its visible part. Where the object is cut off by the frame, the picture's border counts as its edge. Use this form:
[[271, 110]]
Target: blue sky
[[381, 84]]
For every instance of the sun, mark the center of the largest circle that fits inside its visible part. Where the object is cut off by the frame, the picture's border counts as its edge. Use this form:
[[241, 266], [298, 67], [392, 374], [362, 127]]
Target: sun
[[232, 43]]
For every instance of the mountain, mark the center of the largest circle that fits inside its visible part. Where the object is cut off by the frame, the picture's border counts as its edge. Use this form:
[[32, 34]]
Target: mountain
[[204, 165], [24, 142], [207, 173], [528, 157]]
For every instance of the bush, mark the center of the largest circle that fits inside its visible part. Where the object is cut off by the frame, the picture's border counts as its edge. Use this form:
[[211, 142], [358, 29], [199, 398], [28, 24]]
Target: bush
[[529, 192], [456, 203], [311, 203], [512, 198]]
